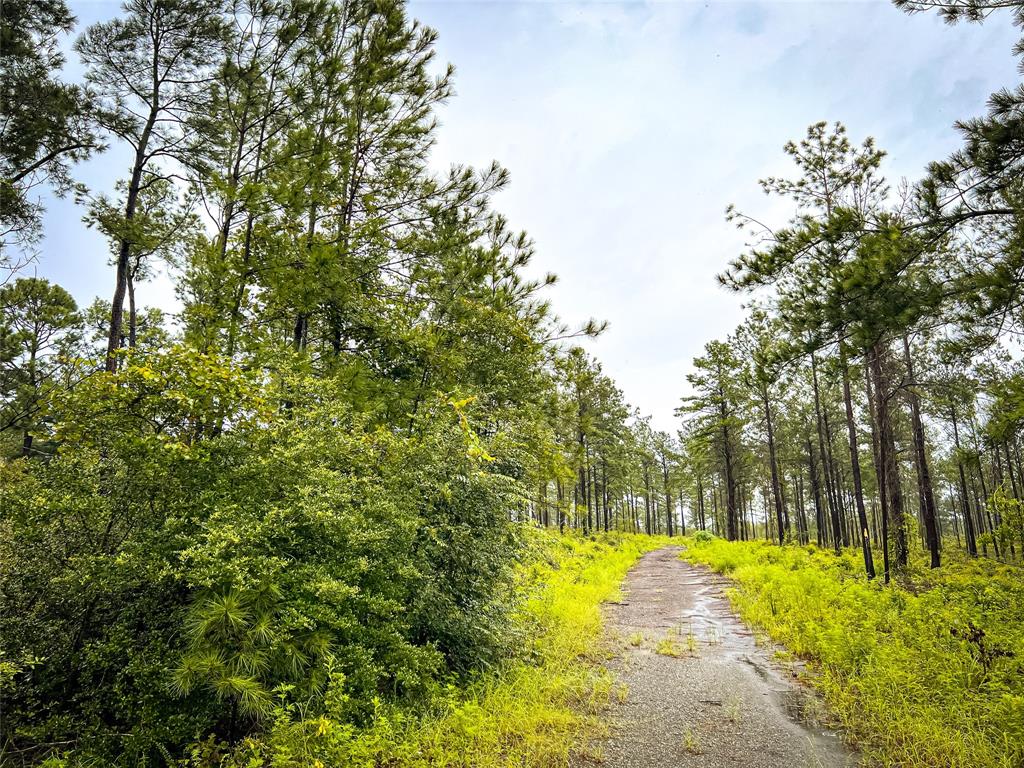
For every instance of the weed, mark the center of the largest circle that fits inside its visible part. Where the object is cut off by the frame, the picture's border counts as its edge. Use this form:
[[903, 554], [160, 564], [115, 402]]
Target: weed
[[733, 709], [692, 645], [690, 743], [669, 646]]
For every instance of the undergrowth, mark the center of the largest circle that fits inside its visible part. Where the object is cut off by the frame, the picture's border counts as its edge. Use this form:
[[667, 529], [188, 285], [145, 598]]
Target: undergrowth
[[925, 673], [531, 711]]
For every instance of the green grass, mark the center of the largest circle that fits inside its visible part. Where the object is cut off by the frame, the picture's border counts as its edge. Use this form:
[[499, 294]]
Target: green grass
[[531, 712], [690, 743], [668, 646], [927, 673]]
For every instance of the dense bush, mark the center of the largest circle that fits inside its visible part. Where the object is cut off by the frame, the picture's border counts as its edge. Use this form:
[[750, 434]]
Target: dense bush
[[199, 553], [533, 708]]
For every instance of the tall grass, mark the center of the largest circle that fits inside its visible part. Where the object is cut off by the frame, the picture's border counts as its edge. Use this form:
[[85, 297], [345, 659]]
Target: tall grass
[[927, 673], [530, 712]]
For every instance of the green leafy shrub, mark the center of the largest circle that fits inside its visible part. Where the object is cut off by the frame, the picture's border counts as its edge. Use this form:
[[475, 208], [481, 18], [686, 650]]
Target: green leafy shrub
[[533, 708], [202, 554]]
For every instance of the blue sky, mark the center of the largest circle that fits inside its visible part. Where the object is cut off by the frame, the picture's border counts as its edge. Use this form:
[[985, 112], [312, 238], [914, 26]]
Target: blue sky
[[629, 127]]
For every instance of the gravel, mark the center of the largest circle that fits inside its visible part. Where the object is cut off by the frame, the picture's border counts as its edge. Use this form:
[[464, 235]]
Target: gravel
[[699, 690]]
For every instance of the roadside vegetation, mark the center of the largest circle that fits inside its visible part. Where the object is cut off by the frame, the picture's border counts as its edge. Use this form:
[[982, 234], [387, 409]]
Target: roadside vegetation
[[287, 514], [532, 708], [534, 705], [865, 422], [924, 672]]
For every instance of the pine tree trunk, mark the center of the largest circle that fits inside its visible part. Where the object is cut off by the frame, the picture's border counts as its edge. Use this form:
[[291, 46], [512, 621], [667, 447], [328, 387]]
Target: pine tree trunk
[[731, 513], [647, 500], [776, 488], [801, 512], [715, 523], [988, 509], [133, 317], [826, 470], [700, 505], [560, 498], [879, 467], [668, 496], [858, 489], [604, 492], [887, 456], [969, 533], [125, 246], [819, 516], [839, 516], [924, 477]]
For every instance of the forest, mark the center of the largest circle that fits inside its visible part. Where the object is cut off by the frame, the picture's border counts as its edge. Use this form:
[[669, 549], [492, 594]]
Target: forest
[[358, 498]]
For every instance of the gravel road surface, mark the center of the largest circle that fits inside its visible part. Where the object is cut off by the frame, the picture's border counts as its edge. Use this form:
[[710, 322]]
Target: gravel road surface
[[697, 689]]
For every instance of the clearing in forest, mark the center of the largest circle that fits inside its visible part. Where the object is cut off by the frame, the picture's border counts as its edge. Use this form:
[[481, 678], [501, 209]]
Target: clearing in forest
[[697, 688]]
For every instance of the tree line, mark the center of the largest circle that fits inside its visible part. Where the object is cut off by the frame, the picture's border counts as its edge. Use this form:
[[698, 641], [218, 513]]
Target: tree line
[[873, 395]]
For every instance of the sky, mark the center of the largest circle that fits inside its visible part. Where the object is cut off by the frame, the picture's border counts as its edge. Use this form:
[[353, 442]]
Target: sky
[[629, 127]]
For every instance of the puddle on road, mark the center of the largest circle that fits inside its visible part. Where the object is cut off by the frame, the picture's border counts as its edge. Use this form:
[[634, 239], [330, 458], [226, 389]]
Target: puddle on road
[[732, 677], [711, 621]]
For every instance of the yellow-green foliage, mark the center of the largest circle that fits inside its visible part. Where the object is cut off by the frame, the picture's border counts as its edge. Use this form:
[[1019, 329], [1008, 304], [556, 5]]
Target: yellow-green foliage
[[924, 674], [528, 713]]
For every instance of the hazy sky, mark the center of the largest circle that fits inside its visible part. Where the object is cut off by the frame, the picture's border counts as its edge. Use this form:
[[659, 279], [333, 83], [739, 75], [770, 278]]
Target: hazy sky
[[629, 127]]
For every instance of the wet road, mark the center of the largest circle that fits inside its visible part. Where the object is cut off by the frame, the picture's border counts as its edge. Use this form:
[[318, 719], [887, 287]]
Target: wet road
[[698, 689]]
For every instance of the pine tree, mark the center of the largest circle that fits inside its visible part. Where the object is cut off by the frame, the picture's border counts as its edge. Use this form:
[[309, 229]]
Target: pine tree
[[151, 71], [47, 124], [716, 405]]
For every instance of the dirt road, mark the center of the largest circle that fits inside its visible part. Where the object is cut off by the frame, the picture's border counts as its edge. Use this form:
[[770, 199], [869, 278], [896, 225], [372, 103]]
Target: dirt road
[[699, 690]]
